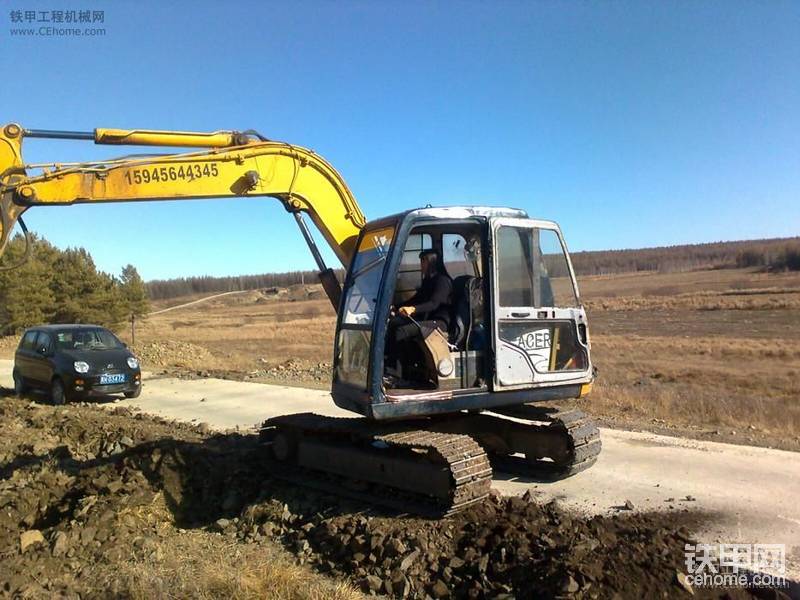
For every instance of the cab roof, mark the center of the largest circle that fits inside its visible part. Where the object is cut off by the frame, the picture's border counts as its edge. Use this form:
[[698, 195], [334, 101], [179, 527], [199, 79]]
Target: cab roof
[[454, 213], [464, 212]]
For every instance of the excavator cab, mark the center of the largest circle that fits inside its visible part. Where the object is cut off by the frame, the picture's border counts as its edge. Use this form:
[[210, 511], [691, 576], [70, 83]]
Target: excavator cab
[[517, 333]]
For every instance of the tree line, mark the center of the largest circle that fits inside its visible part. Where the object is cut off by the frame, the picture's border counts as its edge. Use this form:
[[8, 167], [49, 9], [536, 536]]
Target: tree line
[[774, 259], [65, 286], [164, 289], [774, 254], [61, 286]]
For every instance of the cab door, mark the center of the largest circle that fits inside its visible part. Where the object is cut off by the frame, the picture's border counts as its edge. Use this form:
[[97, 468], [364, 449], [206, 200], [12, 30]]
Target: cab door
[[355, 336], [539, 333]]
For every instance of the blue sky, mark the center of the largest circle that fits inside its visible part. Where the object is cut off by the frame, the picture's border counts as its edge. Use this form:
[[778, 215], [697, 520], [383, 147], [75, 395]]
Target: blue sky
[[630, 123]]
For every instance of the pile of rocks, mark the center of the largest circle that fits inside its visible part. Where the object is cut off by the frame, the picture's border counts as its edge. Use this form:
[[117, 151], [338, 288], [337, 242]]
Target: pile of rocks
[[504, 548], [83, 489], [294, 370], [299, 292], [172, 353]]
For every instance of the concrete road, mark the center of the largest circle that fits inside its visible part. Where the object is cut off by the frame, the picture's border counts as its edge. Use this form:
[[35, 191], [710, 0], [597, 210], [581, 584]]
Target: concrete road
[[749, 494]]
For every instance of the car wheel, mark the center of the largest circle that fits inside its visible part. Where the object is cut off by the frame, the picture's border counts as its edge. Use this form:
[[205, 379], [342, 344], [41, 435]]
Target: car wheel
[[135, 393], [58, 395], [19, 384]]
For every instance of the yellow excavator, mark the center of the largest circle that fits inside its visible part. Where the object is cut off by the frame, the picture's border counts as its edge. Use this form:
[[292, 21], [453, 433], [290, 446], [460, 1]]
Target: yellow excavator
[[437, 417]]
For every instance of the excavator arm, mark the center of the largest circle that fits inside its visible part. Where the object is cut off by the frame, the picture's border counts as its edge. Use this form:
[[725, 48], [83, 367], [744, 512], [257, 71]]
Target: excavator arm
[[227, 165]]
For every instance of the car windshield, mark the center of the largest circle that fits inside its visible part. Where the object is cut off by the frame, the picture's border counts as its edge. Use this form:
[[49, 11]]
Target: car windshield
[[86, 339]]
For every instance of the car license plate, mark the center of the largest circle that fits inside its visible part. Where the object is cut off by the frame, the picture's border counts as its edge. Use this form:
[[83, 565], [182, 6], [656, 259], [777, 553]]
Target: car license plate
[[114, 378]]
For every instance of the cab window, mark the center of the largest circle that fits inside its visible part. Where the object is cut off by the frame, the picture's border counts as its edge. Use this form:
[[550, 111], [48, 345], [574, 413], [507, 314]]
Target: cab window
[[409, 276], [367, 270], [555, 269], [533, 269], [456, 260]]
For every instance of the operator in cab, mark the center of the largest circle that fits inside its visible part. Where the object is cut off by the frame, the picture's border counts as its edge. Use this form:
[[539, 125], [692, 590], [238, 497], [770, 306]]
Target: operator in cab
[[428, 309]]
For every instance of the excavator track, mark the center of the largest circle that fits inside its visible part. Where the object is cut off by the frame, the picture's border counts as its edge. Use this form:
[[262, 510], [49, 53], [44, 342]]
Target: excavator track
[[581, 439], [540, 442], [398, 466]]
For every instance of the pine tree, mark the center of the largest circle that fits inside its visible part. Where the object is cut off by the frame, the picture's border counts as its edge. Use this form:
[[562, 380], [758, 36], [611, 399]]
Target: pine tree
[[63, 286], [25, 295], [134, 292], [82, 293]]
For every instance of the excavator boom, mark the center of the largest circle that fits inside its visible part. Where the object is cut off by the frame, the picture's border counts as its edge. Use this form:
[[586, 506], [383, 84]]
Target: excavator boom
[[230, 165]]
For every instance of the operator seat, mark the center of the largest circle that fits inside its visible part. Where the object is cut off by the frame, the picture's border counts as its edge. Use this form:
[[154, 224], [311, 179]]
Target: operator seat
[[466, 299]]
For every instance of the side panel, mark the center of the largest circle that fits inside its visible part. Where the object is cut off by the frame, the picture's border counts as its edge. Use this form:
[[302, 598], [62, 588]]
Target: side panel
[[539, 334]]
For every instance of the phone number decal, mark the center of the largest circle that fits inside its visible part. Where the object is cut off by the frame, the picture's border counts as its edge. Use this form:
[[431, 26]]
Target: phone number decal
[[188, 172]]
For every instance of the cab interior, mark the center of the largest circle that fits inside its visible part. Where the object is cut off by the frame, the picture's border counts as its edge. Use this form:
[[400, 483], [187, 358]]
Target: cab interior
[[460, 362]]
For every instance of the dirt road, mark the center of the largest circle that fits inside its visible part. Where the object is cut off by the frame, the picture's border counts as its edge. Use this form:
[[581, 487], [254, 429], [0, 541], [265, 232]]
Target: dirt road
[[748, 493], [193, 302]]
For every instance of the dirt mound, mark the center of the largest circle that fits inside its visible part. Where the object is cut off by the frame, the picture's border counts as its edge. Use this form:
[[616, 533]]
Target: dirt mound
[[246, 297], [93, 502], [271, 293], [172, 353], [294, 370], [504, 548], [299, 292], [84, 491], [71, 498]]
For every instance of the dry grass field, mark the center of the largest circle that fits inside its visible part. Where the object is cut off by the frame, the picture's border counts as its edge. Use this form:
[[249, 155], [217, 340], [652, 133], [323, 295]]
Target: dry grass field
[[246, 332], [710, 353], [713, 354]]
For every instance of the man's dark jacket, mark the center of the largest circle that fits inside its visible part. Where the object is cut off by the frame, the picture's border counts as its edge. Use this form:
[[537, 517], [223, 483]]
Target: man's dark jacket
[[432, 300]]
